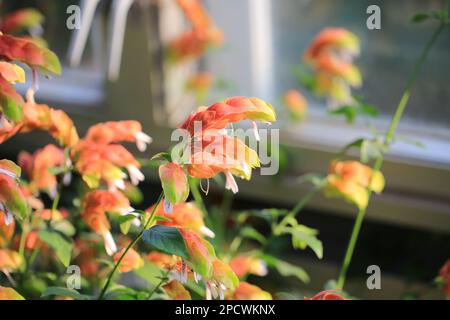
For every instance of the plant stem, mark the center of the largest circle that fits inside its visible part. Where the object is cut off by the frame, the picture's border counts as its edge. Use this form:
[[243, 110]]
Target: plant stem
[[197, 196], [298, 207], [130, 245], [160, 283], [379, 161]]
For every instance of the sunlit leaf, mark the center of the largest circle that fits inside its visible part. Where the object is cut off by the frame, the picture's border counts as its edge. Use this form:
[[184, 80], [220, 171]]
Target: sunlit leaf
[[286, 269], [251, 233], [57, 242], [166, 239]]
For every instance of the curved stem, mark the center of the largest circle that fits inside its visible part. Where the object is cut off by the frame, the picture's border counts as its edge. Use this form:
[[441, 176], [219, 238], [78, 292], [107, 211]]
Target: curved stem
[[130, 245], [160, 283], [298, 207], [379, 161]]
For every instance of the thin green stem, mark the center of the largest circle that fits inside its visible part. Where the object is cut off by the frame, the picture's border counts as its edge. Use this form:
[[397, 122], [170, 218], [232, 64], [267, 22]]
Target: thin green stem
[[160, 283], [298, 207], [130, 245], [197, 196], [379, 161]]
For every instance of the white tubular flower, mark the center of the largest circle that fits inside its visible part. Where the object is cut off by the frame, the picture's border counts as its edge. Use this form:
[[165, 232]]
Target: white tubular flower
[[142, 140], [255, 131], [110, 244], [231, 183], [136, 175], [207, 232]]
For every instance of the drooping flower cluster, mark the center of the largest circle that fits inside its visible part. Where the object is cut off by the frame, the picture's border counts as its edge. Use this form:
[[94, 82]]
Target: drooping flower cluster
[[98, 157], [211, 150], [37, 168], [243, 265], [185, 215], [95, 205], [350, 180], [331, 55], [203, 35]]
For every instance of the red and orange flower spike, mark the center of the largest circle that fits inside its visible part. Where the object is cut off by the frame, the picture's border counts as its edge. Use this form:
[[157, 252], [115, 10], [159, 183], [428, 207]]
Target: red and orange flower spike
[[244, 265], [201, 255], [28, 52], [21, 20], [37, 167], [192, 44], [330, 55], [350, 180], [185, 215], [211, 151], [333, 39], [97, 158], [42, 117], [296, 104], [118, 131], [95, 204]]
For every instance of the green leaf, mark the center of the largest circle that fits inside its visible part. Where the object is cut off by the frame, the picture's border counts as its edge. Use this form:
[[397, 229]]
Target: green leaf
[[64, 226], [251, 233], [286, 269], [57, 242], [349, 112], [166, 239], [303, 237], [65, 292], [163, 156], [354, 144], [315, 179], [413, 142], [150, 272], [125, 222], [370, 149], [420, 17], [266, 214], [369, 110], [57, 170]]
